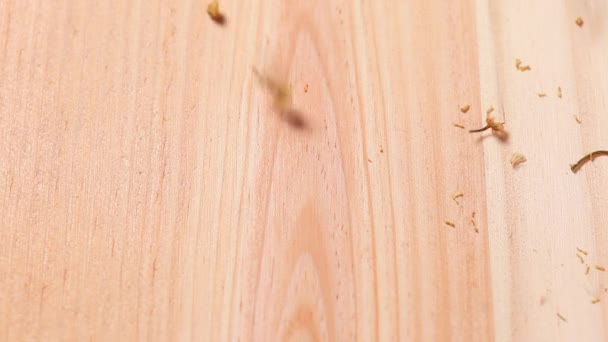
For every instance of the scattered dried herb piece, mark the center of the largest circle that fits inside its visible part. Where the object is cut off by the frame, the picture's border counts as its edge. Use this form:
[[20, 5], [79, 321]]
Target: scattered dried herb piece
[[578, 119], [489, 110], [306, 88], [474, 225], [595, 300], [381, 149], [517, 159], [589, 157], [559, 92], [457, 196], [520, 67], [581, 250], [561, 317], [580, 257], [451, 224], [498, 128], [579, 21], [600, 268], [465, 109], [587, 268], [542, 94], [213, 9], [369, 160], [458, 125]]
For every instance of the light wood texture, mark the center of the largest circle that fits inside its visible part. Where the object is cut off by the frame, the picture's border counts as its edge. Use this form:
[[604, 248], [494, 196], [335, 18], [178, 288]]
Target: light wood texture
[[149, 190]]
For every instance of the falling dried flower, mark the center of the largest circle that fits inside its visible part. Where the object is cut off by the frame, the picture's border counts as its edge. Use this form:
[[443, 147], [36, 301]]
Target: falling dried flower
[[542, 94], [465, 109], [521, 67], [600, 268], [579, 21], [451, 224], [559, 92], [581, 250], [458, 125], [595, 300], [213, 9], [560, 316], [280, 92], [589, 157], [517, 159]]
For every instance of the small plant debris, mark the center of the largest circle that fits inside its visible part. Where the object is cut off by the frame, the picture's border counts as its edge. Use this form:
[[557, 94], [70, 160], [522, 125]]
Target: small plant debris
[[542, 94], [589, 157], [381, 149], [581, 250], [489, 110], [457, 196], [600, 268], [458, 125], [579, 21], [451, 224], [520, 67], [580, 257], [595, 300], [517, 159], [498, 128], [578, 119], [213, 9], [559, 92], [587, 268], [465, 109], [561, 317], [306, 88]]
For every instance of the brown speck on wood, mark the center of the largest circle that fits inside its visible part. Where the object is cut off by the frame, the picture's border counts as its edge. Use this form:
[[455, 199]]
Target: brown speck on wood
[[517, 159], [600, 268], [543, 300], [458, 125], [465, 109], [578, 119], [560, 316], [587, 268], [306, 88], [579, 21], [581, 250], [595, 300], [457, 196], [381, 149], [542, 94], [213, 9], [451, 224], [559, 92], [489, 110]]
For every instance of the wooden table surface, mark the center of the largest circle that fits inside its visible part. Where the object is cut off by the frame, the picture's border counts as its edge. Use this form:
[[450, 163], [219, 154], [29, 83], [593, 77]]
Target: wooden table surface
[[151, 189]]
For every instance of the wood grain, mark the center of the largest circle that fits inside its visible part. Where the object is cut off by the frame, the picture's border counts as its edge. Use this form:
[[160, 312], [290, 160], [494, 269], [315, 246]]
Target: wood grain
[[150, 189]]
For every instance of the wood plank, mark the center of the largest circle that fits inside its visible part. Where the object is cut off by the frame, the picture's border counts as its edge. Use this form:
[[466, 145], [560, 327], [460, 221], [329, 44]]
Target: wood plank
[[151, 189]]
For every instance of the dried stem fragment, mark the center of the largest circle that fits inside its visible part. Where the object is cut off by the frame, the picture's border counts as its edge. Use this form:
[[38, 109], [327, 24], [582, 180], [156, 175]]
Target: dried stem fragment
[[600, 268], [465, 109], [560, 316], [542, 94], [451, 224], [581, 250], [458, 125], [580, 257], [589, 157], [457, 196], [587, 268], [559, 92]]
